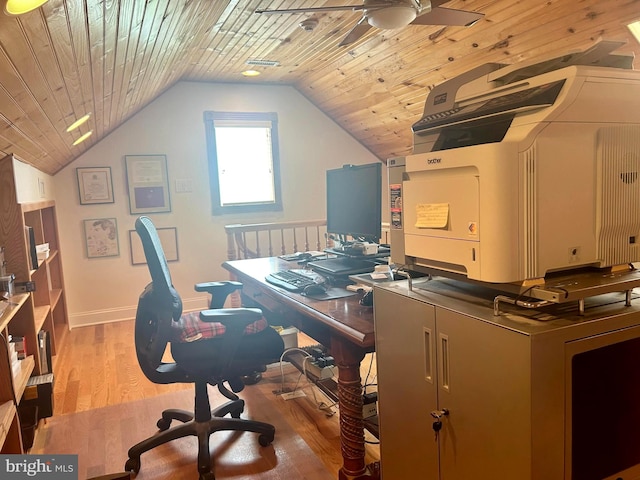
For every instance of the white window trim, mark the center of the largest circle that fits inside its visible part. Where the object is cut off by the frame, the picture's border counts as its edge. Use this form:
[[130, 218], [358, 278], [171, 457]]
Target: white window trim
[[211, 119]]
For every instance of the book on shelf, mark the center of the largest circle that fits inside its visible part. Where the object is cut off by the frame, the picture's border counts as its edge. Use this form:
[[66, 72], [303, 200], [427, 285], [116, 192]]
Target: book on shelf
[[20, 346], [31, 243], [45, 351]]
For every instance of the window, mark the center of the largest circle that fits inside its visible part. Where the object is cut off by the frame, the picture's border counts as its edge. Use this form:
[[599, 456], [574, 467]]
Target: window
[[242, 150]]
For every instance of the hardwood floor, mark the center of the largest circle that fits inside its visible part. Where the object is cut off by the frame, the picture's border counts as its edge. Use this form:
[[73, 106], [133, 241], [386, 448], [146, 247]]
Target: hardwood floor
[[97, 367], [96, 371]]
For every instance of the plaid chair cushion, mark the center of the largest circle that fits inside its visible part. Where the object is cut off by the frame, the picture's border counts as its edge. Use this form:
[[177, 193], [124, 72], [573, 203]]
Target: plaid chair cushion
[[190, 328]]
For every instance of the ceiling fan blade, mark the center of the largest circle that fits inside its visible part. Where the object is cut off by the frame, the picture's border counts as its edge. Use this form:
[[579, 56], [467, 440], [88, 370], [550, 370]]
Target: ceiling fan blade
[[313, 9], [447, 16], [356, 32]]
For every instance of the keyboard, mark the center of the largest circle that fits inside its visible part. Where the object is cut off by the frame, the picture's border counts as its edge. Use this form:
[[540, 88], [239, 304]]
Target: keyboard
[[290, 280]]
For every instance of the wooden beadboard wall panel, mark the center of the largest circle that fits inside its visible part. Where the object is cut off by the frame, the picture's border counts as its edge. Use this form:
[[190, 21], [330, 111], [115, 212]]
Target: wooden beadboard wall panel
[[98, 39], [493, 45], [24, 132], [111, 58], [31, 108], [129, 33], [38, 35], [166, 38]]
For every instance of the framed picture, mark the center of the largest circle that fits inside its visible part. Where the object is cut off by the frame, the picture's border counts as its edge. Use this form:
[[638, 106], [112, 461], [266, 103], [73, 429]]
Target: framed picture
[[94, 185], [101, 237], [168, 239], [148, 183]]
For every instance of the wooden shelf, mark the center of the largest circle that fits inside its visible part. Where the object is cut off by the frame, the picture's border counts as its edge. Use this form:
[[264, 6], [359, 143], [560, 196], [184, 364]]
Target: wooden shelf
[[42, 309], [35, 206], [40, 315], [7, 416], [52, 256], [15, 303], [21, 375], [55, 295]]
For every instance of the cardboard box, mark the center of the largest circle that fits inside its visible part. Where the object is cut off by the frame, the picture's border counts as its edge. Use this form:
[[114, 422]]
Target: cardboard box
[[39, 392], [42, 251]]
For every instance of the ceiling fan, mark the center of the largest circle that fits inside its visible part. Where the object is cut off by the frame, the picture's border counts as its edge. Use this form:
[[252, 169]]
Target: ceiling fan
[[393, 14]]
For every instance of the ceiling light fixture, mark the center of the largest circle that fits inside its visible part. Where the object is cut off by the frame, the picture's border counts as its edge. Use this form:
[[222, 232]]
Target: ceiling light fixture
[[251, 73], [391, 18], [635, 29], [18, 7], [83, 138], [78, 122]]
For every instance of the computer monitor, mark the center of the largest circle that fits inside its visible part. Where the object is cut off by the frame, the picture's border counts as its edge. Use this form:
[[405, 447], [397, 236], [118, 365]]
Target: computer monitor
[[354, 202]]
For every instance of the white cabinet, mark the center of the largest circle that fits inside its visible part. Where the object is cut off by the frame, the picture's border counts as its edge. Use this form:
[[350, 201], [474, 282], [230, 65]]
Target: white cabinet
[[509, 384]]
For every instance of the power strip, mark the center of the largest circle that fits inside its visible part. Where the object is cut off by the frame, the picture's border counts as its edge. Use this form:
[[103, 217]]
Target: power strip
[[369, 405], [320, 372], [310, 364]]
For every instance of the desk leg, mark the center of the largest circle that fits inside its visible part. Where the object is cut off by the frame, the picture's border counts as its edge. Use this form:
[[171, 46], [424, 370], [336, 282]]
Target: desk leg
[[348, 359]]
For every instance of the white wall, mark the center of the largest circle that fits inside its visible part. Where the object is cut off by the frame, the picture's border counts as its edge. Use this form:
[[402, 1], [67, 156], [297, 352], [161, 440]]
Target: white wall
[[32, 185], [107, 289]]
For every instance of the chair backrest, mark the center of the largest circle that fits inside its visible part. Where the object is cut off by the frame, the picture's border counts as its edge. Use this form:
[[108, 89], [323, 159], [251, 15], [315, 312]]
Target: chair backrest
[[158, 305], [154, 253]]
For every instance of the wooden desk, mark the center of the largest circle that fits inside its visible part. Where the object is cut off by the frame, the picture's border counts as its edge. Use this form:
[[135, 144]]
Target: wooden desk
[[342, 325]]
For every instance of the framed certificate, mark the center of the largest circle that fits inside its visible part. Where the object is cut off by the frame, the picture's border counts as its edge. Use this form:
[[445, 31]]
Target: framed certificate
[[94, 185], [148, 183]]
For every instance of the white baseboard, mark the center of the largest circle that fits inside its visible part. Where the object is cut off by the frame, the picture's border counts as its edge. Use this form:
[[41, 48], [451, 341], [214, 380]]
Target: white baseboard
[[111, 315]]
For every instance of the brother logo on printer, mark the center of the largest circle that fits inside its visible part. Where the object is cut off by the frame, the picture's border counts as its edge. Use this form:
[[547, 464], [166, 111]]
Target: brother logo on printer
[[433, 161]]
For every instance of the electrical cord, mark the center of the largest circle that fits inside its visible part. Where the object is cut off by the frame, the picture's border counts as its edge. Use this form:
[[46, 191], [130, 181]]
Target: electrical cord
[[324, 407], [366, 382], [288, 350]]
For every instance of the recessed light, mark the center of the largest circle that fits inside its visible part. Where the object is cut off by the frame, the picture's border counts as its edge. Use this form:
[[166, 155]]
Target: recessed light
[[251, 73], [83, 138], [635, 29], [18, 7], [78, 122]]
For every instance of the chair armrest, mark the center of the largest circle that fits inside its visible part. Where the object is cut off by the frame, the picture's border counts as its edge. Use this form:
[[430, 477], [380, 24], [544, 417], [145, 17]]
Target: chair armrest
[[216, 287], [232, 317], [218, 290]]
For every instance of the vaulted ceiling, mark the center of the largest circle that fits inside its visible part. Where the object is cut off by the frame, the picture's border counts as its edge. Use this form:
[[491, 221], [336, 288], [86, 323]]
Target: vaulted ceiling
[[110, 58]]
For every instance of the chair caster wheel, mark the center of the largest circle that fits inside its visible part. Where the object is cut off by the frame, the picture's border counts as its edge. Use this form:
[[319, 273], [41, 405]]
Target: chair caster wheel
[[252, 378], [163, 424], [132, 465], [265, 440], [207, 476]]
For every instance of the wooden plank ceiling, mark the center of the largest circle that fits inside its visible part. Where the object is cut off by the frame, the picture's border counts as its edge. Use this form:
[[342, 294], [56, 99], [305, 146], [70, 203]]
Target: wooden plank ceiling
[[110, 58]]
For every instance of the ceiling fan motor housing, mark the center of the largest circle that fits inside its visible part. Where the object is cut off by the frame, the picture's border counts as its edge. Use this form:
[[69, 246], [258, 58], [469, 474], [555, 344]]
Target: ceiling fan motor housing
[[392, 17]]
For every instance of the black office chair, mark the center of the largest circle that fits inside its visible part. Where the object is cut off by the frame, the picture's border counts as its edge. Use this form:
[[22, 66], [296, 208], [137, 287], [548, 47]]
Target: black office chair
[[202, 355]]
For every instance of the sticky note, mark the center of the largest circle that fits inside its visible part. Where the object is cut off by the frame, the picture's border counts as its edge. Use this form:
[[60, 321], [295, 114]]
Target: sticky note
[[432, 215]]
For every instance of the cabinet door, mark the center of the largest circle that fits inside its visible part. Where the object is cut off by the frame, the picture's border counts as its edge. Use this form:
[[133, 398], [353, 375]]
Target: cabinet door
[[405, 341], [484, 383]]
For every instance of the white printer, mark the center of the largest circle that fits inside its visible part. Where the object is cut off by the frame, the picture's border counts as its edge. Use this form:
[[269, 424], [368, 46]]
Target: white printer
[[519, 171]]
